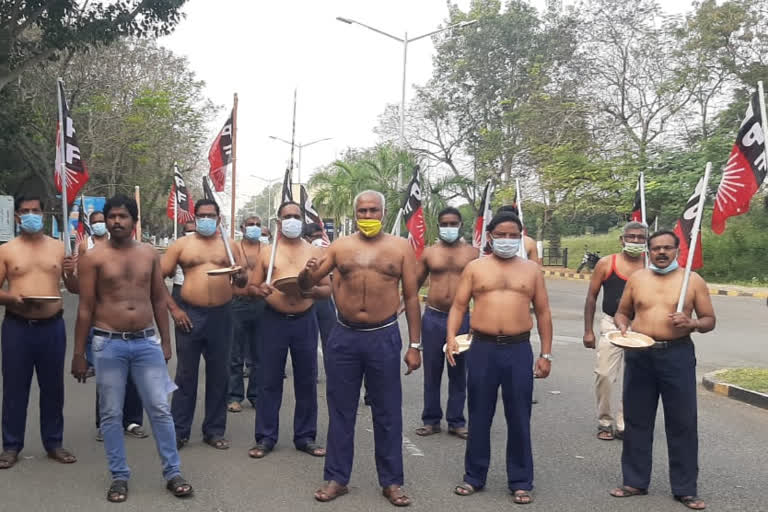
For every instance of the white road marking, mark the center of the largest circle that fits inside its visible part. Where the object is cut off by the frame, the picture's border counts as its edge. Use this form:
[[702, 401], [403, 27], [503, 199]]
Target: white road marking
[[411, 448]]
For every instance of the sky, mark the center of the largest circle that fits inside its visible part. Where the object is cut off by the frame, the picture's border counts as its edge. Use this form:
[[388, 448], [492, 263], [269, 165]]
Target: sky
[[344, 74]]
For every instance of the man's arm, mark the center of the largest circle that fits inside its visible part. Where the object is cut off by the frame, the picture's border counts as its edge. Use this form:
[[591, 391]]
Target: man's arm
[[702, 305], [170, 259], [422, 270], [626, 307], [6, 299], [159, 295], [531, 250], [316, 269], [458, 310], [239, 278], [543, 324], [87, 281], [590, 304], [69, 273], [412, 307]]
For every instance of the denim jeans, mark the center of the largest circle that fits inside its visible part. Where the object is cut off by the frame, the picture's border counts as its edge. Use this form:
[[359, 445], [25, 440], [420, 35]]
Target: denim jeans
[[143, 359]]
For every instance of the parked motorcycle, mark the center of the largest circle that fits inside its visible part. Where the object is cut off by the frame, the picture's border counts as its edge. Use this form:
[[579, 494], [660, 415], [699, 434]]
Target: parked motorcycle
[[589, 260]]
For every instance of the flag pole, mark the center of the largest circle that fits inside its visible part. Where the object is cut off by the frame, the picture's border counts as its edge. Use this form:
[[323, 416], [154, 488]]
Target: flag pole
[[523, 253], [234, 169], [272, 256], [175, 203], [137, 193], [396, 226], [63, 170], [485, 220], [694, 237], [642, 198], [293, 135]]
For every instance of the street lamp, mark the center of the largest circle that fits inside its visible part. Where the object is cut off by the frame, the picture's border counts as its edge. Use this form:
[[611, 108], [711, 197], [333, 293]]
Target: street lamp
[[269, 183], [300, 146], [405, 41]]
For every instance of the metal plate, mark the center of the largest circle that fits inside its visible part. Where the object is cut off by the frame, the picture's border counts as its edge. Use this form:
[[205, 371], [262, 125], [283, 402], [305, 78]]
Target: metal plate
[[632, 340], [220, 271], [288, 285], [464, 341]]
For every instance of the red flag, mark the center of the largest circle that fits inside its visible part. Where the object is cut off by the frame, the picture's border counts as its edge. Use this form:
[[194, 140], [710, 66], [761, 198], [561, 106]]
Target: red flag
[[83, 224], [483, 217], [186, 206], [413, 213], [683, 229], [77, 172], [637, 208], [745, 170], [220, 156]]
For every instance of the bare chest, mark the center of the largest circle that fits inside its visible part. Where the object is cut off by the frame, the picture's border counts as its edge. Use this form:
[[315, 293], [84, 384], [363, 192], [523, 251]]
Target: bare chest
[[198, 254], [385, 264], [493, 279], [33, 263], [118, 273]]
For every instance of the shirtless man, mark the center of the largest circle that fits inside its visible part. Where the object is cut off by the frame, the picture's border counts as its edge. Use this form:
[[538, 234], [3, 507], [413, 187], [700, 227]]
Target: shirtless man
[[503, 286], [178, 277], [290, 323], [33, 332], [121, 292], [247, 311], [668, 369], [611, 273], [325, 309], [98, 230], [529, 244], [368, 267], [443, 263], [203, 318]]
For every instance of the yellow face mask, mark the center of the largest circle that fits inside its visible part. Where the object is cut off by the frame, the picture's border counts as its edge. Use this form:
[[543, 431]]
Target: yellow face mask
[[369, 227]]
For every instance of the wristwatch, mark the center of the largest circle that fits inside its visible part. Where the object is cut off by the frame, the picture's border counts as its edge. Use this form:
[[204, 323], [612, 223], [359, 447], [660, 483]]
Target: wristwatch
[[548, 357], [417, 346]]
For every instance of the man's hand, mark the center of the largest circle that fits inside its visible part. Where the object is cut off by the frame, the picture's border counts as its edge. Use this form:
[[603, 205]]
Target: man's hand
[[14, 300], [79, 367], [70, 264], [589, 339], [683, 321], [181, 319], [167, 353], [260, 290], [412, 360], [306, 273], [451, 349], [542, 369], [240, 278]]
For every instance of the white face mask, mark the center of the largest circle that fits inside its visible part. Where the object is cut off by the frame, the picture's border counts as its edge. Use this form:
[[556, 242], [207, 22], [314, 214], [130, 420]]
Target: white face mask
[[506, 247], [264, 239], [319, 242], [291, 228]]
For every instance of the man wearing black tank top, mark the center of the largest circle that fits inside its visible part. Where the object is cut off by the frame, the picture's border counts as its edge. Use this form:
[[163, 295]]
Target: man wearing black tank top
[[611, 274]]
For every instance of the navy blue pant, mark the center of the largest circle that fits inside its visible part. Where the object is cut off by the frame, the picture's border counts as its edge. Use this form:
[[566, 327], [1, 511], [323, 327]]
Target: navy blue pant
[[671, 374], [326, 318], [433, 331], [298, 334], [246, 349], [490, 365], [350, 356], [28, 348], [211, 337]]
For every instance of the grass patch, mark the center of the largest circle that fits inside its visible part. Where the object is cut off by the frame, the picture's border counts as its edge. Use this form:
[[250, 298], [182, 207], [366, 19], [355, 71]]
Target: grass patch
[[606, 243], [755, 379]]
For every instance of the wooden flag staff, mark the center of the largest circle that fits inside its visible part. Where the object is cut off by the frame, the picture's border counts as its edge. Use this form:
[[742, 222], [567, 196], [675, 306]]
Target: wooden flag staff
[[523, 253]]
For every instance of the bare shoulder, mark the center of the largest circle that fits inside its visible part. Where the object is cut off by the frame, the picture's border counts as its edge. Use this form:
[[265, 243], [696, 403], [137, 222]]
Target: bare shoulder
[[473, 265], [54, 244], [401, 243], [149, 250], [639, 276], [698, 281]]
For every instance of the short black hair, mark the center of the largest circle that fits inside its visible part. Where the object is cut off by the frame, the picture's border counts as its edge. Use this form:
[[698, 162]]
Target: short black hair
[[449, 210], [663, 232], [121, 201], [504, 217], [284, 204], [206, 202], [20, 199], [312, 228], [509, 208], [95, 212]]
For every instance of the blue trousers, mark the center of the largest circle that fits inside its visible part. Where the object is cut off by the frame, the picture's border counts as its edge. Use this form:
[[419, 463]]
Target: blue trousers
[[433, 331], [211, 337], [326, 318], [140, 361], [671, 374], [29, 347], [350, 356], [490, 366], [133, 412], [246, 349], [297, 334]]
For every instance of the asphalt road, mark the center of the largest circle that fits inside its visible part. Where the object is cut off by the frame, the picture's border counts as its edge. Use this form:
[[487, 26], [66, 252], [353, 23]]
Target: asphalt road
[[573, 469]]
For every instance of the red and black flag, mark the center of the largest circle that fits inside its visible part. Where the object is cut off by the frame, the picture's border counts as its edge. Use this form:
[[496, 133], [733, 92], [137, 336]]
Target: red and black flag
[[220, 156], [484, 216], [179, 200], [413, 213], [287, 186], [207, 191], [683, 229], [745, 170], [637, 207], [77, 172], [83, 223], [310, 214]]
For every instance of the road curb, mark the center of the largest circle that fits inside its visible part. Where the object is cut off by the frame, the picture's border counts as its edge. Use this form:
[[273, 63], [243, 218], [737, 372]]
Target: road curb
[[711, 382], [573, 276]]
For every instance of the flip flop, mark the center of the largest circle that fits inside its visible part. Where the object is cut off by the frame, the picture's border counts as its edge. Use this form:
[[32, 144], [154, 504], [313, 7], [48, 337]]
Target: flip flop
[[522, 497], [179, 487], [313, 449], [219, 444], [691, 501], [627, 492], [62, 455], [465, 489], [427, 430], [461, 432], [259, 451], [325, 495], [605, 434], [396, 496], [8, 459]]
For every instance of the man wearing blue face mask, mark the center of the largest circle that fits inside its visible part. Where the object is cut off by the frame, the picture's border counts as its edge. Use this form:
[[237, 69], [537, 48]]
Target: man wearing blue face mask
[[443, 263], [503, 286], [667, 369], [203, 318], [33, 332]]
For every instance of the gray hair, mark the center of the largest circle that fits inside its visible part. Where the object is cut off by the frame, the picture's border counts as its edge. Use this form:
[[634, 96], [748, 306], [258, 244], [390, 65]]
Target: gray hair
[[635, 225], [368, 192]]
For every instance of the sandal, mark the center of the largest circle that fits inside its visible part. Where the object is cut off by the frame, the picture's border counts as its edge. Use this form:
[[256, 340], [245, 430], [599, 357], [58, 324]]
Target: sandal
[[313, 449], [62, 455], [427, 430], [118, 491], [8, 459], [692, 502], [396, 496], [605, 433], [259, 451], [330, 491], [181, 442], [465, 489], [234, 407], [522, 497], [219, 444], [626, 491], [135, 430], [460, 432], [179, 487]]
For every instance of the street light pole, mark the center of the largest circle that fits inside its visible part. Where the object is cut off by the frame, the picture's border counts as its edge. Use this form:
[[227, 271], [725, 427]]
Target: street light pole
[[300, 146]]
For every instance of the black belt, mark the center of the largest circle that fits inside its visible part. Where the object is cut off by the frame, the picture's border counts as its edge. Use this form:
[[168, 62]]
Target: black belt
[[291, 316], [502, 339], [125, 336], [34, 321], [685, 340], [357, 326]]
